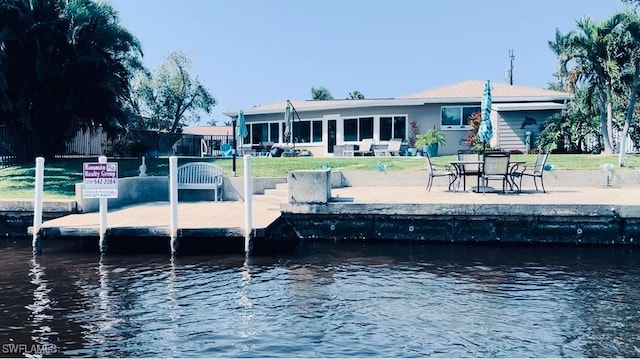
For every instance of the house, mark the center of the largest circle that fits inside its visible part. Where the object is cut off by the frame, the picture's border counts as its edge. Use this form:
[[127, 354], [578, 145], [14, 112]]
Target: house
[[203, 140], [326, 128]]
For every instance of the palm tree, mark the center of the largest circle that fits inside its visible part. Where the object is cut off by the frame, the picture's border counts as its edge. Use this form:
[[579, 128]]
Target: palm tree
[[630, 46], [589, 49], [355, 95], [558, 46], [320, 93]]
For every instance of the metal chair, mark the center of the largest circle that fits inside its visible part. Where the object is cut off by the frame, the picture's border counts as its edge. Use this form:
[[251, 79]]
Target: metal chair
[[469, 169], [495, 167], [437, 171], [536, 172]]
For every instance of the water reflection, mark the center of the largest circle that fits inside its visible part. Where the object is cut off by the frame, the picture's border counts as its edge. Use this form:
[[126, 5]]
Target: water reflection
[[247, 329], [40, 309], [328, 301]]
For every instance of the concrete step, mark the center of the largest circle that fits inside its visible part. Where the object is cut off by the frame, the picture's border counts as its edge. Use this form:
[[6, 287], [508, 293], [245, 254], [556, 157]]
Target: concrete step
[[280, 194], [276, 192]]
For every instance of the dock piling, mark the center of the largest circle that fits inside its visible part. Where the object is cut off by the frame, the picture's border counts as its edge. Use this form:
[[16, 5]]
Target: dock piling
[[103, 216], [37, 206], [248, 205], [173, 202]]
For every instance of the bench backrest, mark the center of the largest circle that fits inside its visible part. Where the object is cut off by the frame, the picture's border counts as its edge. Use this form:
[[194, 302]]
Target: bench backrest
[[200, 173]]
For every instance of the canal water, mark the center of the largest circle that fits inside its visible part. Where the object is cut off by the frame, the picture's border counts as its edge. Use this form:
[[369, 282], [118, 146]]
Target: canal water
[[324, 300]]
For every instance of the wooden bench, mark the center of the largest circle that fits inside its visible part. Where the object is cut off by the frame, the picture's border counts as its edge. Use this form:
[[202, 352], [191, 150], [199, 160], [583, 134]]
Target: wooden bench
[[201, 175]]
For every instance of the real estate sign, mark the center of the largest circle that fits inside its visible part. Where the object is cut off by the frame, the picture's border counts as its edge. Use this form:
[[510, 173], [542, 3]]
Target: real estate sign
[[100, 180]]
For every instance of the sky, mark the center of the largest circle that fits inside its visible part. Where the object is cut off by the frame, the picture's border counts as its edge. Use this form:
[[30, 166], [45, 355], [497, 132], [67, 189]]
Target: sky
[[256, 52]]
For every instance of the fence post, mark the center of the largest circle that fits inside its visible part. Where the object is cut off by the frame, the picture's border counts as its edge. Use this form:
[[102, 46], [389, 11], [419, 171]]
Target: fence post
[[36, 243]]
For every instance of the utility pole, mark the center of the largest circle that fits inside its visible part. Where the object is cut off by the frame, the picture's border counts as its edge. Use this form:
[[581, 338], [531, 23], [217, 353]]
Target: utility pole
[[508, 74]]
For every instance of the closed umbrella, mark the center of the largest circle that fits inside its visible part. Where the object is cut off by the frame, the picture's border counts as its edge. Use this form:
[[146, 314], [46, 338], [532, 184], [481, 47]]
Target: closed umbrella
[[485, 131], [241, 131], [287, 123]]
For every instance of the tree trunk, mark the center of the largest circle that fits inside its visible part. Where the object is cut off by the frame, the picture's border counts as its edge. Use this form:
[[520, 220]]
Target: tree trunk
[[627, 123], [608, 149], [610, 122]]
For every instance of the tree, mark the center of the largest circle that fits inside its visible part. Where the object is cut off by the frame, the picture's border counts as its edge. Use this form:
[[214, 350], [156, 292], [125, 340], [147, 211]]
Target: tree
[[171, 97], [630, 64], [574, 126], [320, 93], [595, 64], [63, 66], [558, 46], [355, 95]]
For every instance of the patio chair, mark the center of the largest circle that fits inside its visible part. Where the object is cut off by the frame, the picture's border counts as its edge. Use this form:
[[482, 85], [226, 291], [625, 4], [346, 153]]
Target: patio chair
[[393, 149], [536, 172], [495, 167], [434, 171], [226, 150], [364, 149], [474, 170]]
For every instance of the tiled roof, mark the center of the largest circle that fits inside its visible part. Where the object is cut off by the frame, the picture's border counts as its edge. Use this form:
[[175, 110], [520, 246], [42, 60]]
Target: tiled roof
[[473, 89]]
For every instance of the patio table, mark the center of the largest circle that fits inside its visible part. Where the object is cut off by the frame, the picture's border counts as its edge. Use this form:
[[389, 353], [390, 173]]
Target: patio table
[[459, 167]]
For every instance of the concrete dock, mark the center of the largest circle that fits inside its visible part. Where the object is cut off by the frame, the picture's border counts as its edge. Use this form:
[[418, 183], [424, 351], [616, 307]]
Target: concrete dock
[[582, 214]]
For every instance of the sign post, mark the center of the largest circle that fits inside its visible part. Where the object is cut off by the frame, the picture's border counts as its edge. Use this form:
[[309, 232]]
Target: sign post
[[100, 180]]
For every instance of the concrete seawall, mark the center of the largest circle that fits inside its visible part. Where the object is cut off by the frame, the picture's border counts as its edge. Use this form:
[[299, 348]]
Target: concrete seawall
[[370, 206], [389, 206]]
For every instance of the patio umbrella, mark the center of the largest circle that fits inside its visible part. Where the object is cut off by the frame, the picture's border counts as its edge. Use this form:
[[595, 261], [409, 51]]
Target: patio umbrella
[[485, 132], [241, 130], [287, 123]]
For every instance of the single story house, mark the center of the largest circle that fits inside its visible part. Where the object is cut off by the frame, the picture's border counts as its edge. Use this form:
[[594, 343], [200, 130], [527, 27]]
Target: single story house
[[325, 128], [203, 140]]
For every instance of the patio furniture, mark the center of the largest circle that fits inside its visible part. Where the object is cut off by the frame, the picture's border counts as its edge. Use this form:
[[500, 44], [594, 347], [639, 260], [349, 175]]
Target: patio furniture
[[364, 149], [434, 171], [201, 176], [469, 169], [393, 149], [496, 167], [536, 172], [226, 150]]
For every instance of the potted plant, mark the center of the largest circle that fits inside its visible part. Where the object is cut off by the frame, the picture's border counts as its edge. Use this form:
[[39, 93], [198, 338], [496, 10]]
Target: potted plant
[[430, 140]]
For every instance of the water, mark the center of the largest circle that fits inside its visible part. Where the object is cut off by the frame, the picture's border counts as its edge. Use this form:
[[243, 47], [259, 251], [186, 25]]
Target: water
[[326, 300]]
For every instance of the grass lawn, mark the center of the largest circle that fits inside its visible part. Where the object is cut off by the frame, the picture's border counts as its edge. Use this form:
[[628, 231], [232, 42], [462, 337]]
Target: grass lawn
[[62, 175]]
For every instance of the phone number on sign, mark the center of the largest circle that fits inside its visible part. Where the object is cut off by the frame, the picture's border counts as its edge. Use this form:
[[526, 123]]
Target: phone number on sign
[[100, 181]]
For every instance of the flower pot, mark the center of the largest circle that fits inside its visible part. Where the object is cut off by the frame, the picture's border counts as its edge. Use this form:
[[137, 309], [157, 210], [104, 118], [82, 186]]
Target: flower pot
[[431, 150]]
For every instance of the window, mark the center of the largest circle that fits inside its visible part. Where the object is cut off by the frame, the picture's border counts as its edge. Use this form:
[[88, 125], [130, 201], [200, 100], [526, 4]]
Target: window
[[357, 129], [302, 131], [263, 132], [456, 116], [259, 133], [317, 131], [393, 127], [307, 131], [273, 132]]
